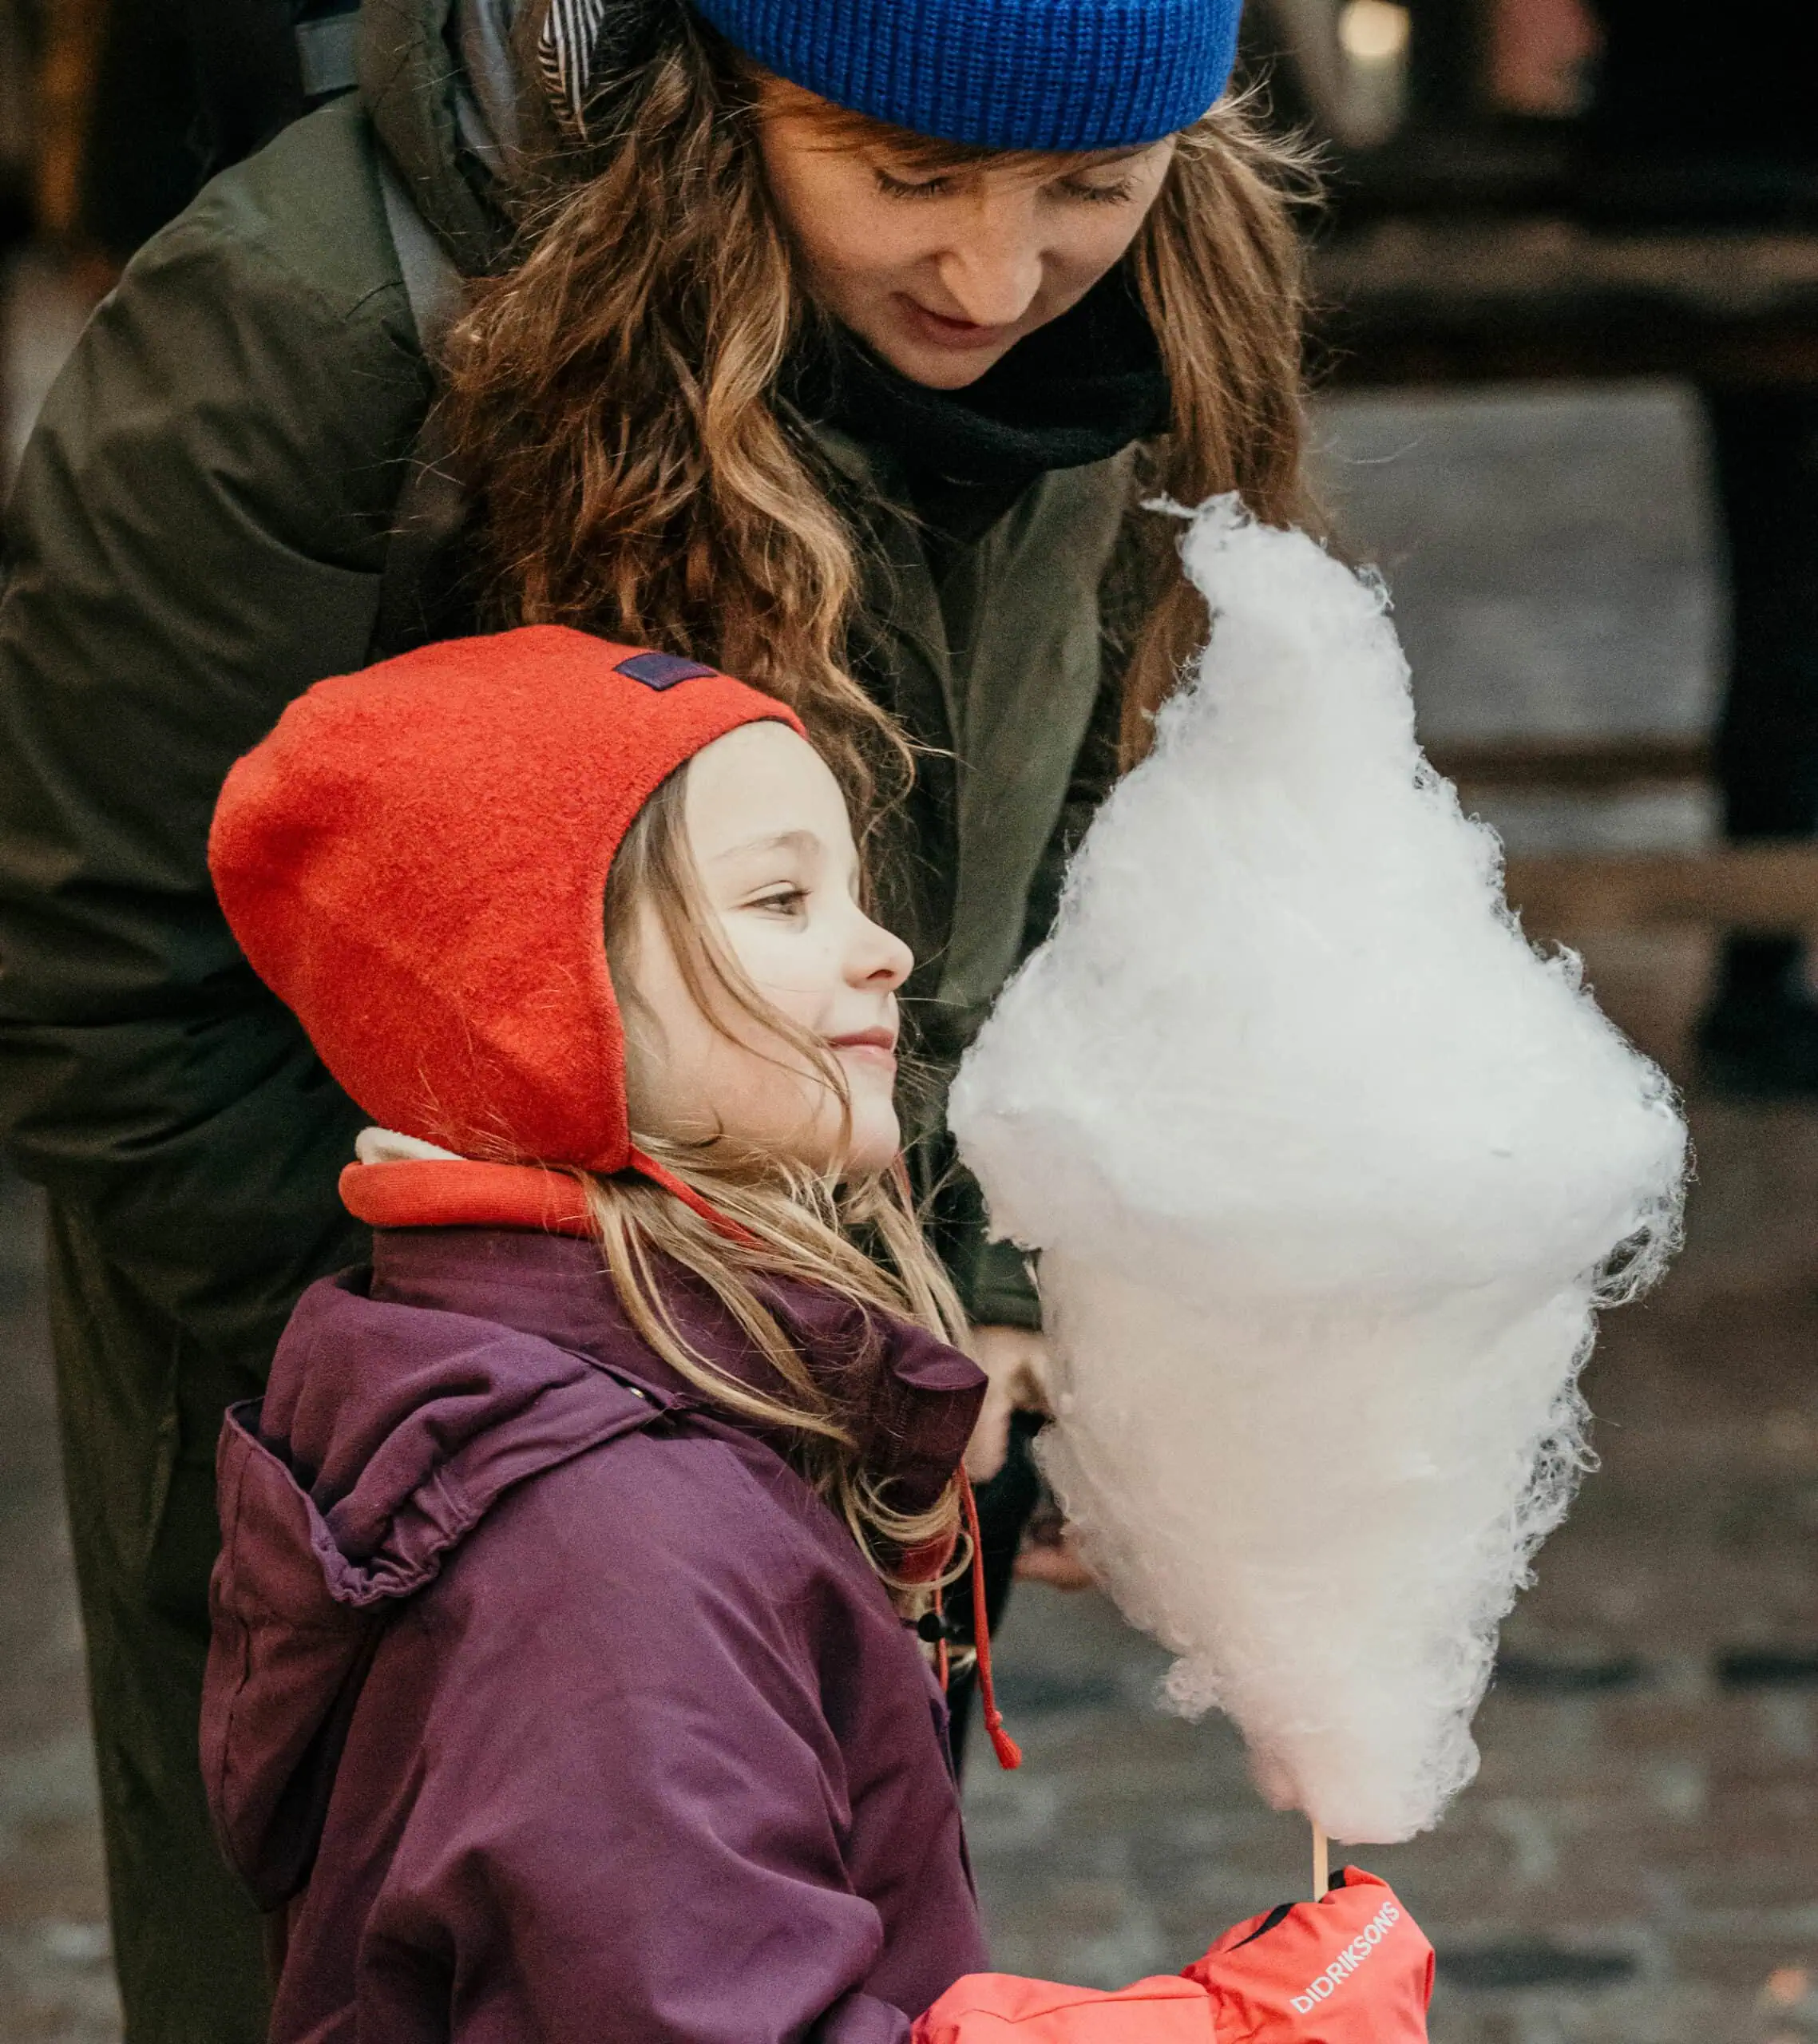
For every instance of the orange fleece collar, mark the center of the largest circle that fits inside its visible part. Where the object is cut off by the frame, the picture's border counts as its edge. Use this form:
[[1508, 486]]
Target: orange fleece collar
[[432, 1193]]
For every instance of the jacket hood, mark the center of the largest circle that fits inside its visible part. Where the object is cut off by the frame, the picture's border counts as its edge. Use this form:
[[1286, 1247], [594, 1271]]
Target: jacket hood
[[438, 78], [406, 1400]]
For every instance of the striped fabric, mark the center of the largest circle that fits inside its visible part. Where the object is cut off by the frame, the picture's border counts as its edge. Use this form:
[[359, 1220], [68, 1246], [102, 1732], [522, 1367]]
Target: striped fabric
[[565, 48]]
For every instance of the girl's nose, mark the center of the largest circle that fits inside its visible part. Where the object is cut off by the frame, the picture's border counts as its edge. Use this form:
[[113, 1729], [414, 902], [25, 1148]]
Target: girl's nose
[[878, 957]]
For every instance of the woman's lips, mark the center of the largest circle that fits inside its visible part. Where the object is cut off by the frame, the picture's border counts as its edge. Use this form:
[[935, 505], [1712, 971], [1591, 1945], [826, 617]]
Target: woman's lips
[[959, 334]]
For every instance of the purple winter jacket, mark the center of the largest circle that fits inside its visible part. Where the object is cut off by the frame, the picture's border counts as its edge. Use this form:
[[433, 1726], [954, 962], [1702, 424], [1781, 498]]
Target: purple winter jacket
[[556, 1706]]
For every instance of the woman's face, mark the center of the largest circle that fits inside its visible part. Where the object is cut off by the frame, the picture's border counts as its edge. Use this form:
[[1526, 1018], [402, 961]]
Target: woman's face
[[779, 873], [943, 274]]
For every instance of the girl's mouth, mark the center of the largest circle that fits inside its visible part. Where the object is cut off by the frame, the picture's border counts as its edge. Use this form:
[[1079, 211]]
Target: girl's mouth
[[876, 1045]]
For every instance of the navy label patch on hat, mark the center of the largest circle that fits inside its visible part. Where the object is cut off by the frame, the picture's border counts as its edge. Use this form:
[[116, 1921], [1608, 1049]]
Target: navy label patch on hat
[[663, 670]]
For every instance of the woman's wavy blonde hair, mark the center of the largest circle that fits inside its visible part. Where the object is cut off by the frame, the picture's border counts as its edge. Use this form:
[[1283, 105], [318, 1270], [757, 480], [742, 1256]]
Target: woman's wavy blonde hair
[[858, 1238], [612, 397]]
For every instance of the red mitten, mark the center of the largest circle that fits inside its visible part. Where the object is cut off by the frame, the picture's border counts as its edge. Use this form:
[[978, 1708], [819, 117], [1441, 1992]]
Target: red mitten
[[1352, 1968], [1004, 2008]]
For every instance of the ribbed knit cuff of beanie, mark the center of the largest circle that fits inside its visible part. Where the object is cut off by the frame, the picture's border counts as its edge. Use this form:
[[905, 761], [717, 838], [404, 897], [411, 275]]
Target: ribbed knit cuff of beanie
[[1008, 74]]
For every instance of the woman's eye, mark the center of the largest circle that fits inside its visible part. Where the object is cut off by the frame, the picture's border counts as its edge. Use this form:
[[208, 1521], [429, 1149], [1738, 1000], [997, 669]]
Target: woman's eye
[[1099, 195], [898, 187]]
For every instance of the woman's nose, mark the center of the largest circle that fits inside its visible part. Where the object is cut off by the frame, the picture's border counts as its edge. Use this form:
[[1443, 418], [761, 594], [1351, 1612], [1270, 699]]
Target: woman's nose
[[994, 269]]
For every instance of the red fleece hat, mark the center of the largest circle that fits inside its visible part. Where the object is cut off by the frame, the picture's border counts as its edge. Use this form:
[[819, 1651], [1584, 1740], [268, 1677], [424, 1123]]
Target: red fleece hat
[[415, 859]]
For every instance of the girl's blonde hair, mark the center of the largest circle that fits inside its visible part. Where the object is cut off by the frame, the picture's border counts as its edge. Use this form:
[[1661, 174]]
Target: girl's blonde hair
[[859, 1240], [612, 397]]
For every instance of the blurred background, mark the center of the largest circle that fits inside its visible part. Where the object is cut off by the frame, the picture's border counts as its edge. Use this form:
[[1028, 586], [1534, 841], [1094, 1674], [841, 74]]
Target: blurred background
[[1566, 341]]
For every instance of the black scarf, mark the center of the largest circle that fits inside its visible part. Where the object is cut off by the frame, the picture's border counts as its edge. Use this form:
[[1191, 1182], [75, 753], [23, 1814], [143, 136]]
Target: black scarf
[[1078, 390]]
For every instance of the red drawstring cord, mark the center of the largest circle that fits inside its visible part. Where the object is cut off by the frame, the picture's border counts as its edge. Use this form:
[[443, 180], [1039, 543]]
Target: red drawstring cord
[[1009, 1754], [721, 1224]]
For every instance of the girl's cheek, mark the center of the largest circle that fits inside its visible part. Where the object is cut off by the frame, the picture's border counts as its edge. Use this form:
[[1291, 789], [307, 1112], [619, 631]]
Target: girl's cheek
[[762, 955], [791, 968]]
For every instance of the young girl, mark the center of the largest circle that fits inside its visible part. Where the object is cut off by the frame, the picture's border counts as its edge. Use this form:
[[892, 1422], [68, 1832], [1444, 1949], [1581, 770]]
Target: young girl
[[566, 1680]]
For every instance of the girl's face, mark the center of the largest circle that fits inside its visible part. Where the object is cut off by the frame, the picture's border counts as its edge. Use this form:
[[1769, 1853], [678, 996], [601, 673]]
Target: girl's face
[[943, 274], [779, 873]]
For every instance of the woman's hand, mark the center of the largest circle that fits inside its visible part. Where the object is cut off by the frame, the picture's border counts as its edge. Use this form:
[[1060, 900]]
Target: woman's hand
[[1015, 1360], [1049, 1555]]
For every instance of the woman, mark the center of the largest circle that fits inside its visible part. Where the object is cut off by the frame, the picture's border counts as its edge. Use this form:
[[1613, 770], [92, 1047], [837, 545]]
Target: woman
[[832, 341]]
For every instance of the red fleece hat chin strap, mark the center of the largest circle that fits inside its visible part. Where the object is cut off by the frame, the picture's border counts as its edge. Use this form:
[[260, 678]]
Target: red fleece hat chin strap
[[721, 1224]]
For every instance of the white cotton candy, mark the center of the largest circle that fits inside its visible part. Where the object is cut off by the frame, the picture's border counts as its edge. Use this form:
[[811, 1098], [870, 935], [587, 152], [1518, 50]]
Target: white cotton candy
[[1328, 1168]]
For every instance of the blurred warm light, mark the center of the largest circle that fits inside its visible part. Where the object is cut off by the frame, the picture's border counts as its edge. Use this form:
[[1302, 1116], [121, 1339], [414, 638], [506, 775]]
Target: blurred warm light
[[1541, 53], [1373, 31], [1786, 1986]]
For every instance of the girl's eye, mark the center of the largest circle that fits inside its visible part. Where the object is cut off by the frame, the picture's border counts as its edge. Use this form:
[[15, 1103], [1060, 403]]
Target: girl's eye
[[898, 187], [785, 902]]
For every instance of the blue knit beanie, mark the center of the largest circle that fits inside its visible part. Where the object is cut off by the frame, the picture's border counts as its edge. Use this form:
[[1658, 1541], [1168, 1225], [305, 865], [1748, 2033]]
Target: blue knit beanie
[[1009, 74]]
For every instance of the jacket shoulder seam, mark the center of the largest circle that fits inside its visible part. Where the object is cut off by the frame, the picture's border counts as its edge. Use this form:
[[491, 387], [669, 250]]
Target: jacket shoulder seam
[[224, 242]]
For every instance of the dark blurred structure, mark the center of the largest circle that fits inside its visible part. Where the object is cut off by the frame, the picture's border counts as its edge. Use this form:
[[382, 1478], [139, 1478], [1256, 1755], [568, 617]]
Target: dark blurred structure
[[19, 43], [181, 88], [1655, 112], [1705, 117], [114, 113], [1602, 188], [1703, 122]]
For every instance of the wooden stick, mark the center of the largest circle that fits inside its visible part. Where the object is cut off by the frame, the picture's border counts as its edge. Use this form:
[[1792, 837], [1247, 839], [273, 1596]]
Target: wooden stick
[[1321, 1870]]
